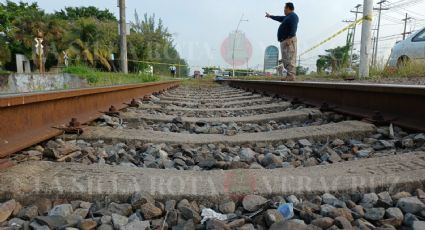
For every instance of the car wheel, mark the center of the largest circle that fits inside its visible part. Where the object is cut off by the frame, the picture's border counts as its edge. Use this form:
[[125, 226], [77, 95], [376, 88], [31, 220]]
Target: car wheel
[[402, 61]]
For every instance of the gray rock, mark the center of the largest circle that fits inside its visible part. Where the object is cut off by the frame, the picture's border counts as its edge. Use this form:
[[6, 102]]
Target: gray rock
[[273, 216], [119, 221], [409, 219], [53, 222], [247, 227], [270, 158], [140, 198], [410, 205], [304, 143], [36, 226], [323, 222], [408, 143], [207, 164], [188, 225], [283, 151], [81, 212], [105, 227], [85, 205], [311, 162], [333, 156], [396, 214], [120, 209], [418, 225], [385, 200], [227, 207], [44, 205], [16, 223], [63, 210], [190, 214], [358, 211], [290, 144], [106, 219], [213, 224], [364, 153], [170, 205], [137, 225], [28, 213], [252, 203], [328, 198], [419, 139], [387, 144], [293, 199], [338, 142], [374, 214], [343, 223], [135, 217], [369, 200], [288, 225], [247, 155], [325, 209]]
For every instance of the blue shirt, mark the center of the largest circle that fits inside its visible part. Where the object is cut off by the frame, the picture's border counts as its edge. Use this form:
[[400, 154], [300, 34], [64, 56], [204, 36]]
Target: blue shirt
[[288, 27]]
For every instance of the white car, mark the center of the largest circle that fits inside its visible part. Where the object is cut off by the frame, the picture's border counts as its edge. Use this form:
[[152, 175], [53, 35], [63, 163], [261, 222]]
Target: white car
[[410, 50]]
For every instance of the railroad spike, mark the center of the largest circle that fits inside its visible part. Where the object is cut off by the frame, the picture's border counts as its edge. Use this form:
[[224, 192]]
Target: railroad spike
[[325, 107], [133, 103], [73, 127], [296, 101], [146, 98], [113, 112], [378, 119]]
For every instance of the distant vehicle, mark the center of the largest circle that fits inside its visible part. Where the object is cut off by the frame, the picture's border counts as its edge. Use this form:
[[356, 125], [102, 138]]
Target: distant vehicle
[[218, 73], [226, 74], [197, 74], [410, 50]]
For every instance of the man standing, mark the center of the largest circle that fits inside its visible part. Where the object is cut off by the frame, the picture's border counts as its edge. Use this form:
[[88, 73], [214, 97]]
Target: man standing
[[287, 36], [173, 71]]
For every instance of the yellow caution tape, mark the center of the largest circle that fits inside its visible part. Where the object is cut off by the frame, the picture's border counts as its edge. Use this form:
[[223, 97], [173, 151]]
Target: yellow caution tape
[[156, 63], [353, 24]]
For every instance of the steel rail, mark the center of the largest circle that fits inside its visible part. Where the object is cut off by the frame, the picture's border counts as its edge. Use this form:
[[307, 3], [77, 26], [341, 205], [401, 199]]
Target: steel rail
[[28, 119], [402, 105]]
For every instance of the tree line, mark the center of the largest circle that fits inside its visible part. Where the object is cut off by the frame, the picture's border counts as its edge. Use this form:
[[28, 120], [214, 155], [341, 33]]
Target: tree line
[[88, 35]]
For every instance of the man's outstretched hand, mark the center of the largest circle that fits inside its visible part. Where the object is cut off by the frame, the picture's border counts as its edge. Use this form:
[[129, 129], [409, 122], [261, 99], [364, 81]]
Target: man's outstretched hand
[[267, 15]]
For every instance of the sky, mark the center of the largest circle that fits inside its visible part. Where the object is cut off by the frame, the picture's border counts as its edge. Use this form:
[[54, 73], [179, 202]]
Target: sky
[[200, 27]]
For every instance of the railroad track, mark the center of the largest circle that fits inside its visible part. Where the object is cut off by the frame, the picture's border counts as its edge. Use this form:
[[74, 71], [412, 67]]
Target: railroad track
[[213, 146]]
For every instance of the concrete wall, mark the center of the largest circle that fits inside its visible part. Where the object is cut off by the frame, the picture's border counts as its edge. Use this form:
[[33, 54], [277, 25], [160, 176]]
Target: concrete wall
[[25, 83]]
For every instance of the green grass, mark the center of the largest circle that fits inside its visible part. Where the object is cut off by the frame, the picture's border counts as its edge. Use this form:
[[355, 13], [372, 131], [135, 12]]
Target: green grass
[[410, 70], [98, 78], [4, 72]]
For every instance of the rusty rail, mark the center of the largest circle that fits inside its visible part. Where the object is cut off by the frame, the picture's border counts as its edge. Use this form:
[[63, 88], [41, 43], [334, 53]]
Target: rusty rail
[[402, 105], [28, 119]]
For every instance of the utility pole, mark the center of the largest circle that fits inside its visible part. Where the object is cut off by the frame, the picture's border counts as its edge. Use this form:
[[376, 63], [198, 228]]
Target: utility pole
[[373, 46], [123, 37], [373, 50], [356, 12], [349, 32], [366, 38], [380, 9], [405, 26]]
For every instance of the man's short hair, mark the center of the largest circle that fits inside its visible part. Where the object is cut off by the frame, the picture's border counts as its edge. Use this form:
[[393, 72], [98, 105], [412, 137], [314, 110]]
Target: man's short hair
[[290, 5]]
